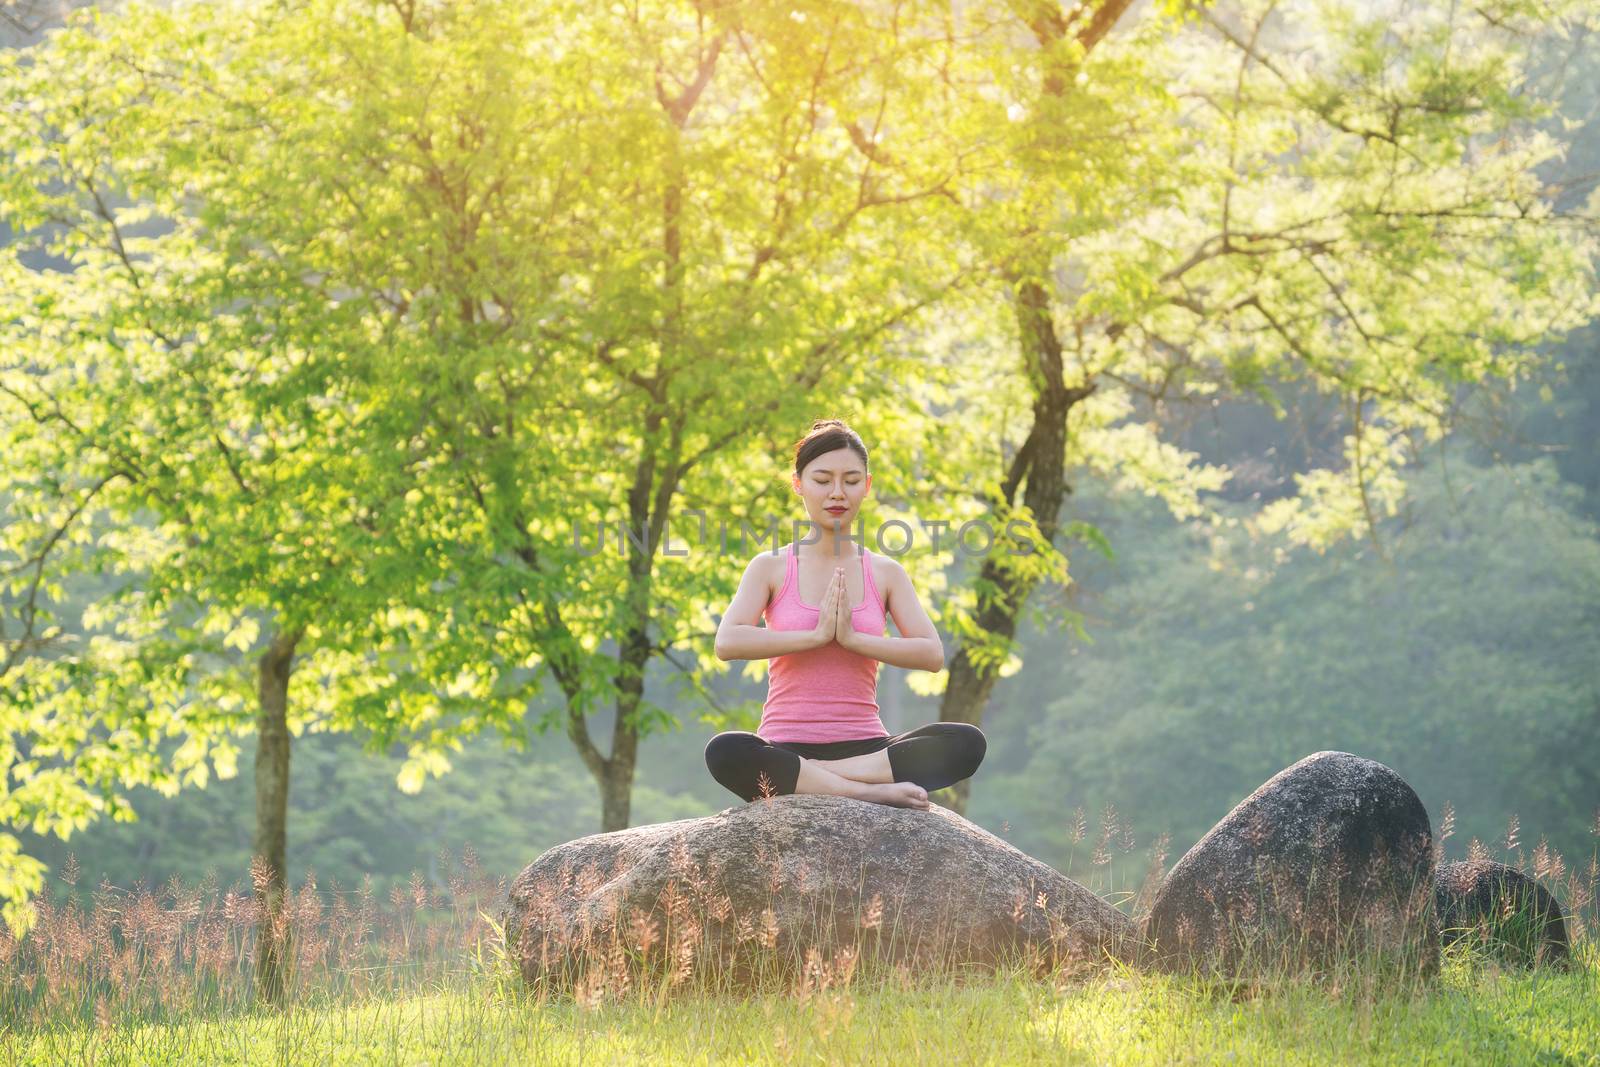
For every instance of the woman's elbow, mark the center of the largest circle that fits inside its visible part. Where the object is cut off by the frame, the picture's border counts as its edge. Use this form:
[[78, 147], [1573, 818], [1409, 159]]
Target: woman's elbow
[[936, 663]]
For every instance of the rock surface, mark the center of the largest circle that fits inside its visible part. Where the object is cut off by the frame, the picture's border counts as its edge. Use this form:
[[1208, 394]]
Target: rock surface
[[777, 877], [1501, 909], [1332, 855]]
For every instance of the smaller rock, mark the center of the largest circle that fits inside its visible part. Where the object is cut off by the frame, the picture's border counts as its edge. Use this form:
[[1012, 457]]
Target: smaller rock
[[1501, 910], [1329, 859]]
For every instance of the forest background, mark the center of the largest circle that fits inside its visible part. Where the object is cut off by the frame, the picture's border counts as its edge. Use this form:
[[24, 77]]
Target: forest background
[[1191, 654]]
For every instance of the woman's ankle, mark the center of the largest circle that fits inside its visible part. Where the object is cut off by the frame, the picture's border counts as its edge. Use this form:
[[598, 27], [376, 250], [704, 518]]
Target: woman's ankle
[[815, 778]]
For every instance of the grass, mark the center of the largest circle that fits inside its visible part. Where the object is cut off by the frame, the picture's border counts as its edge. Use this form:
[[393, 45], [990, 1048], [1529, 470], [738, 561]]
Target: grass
[[165, 977], [1473, 1014]]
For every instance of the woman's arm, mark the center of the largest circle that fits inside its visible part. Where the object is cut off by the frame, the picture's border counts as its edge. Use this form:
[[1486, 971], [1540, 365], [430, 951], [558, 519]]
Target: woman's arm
[[739, 636], [918, 647]]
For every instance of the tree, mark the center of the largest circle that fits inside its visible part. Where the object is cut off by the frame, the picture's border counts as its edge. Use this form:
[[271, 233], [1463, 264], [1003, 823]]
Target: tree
[[1463, 661], [83, 715], [706, 253], [181, 395], [1351, 200]]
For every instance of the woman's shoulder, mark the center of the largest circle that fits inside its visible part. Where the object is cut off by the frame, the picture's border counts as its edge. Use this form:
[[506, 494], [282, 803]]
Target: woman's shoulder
[[884, 564], [770, 565], [886, 574]]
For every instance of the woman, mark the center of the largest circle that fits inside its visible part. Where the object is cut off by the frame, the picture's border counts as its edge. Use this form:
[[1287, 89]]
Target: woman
[[820, 731]]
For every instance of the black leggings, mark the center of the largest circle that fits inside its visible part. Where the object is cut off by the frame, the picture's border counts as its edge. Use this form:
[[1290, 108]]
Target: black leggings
[[933, 756]]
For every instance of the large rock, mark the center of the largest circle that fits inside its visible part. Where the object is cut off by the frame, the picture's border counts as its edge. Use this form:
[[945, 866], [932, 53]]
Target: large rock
[[1331, 856], [767, 881], [1502, 911]]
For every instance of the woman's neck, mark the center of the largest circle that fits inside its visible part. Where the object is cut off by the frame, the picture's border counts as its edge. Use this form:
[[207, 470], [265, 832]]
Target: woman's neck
[[815, 542]]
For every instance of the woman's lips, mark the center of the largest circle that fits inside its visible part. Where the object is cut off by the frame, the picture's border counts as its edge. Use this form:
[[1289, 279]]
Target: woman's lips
[[837, 511]]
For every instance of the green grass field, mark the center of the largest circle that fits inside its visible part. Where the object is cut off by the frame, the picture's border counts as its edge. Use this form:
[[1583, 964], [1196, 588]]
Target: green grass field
[[167, 976], [1473, 1013]]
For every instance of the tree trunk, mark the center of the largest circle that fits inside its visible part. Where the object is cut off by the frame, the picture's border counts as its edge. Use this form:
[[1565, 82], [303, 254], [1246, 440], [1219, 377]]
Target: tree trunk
[[615, 774], [616, 787], [268, 872], [649, 495], [1041, 461], [1040, 465]]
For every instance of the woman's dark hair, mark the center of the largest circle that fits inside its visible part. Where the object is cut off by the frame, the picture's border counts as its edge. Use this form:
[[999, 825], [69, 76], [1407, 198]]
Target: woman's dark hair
[[825, 436]]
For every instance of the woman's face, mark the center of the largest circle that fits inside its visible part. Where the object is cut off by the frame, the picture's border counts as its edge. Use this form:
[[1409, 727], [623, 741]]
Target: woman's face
[[836, 479]]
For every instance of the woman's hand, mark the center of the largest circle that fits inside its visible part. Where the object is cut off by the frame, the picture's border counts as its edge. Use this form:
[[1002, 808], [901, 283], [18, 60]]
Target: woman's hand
[[828, 610], [845, 631]]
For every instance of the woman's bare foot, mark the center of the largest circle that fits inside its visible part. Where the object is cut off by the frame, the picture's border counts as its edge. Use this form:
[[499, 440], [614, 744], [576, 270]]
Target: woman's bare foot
[[898, 794]]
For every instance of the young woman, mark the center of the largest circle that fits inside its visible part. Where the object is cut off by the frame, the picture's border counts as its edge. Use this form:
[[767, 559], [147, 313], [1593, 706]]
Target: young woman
[[825, 603]]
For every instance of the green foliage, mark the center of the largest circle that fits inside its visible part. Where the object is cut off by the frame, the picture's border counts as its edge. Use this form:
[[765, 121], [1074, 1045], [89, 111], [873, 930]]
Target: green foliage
[[362, 309], [182, 424], [1465, 663], [1214, 664], [350, 826]]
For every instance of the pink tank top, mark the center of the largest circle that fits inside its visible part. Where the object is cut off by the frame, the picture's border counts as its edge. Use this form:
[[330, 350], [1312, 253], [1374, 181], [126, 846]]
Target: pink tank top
[[827, 693]]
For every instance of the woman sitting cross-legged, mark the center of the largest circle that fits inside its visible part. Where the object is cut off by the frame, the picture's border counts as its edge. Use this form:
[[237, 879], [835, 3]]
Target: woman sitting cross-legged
[[820, 731]]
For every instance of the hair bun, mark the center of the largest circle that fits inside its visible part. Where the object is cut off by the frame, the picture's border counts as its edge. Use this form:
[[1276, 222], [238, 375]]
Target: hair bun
[[824, 436]]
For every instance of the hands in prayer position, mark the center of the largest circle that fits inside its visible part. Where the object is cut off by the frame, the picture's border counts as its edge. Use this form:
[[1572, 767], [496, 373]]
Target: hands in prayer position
[[833, 616]]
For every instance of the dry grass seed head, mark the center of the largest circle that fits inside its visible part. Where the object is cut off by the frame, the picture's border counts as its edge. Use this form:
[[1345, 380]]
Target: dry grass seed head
[[872, 915]]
